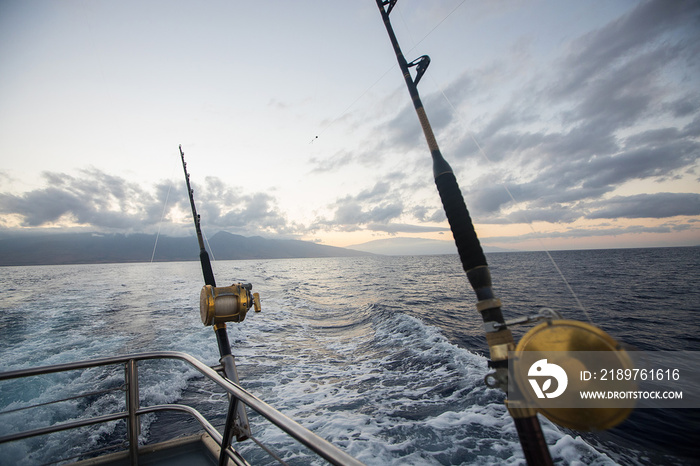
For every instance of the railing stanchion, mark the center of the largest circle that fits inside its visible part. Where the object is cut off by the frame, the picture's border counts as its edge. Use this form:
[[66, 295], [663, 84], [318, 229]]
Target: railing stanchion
[[132, 404]]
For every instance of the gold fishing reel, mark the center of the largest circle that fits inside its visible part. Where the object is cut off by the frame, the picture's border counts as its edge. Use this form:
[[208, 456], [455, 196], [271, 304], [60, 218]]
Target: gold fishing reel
[[218, 305], [558, 360]]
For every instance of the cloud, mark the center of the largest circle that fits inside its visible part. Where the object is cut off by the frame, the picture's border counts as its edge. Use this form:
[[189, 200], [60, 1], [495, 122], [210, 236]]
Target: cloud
[[104, 202], [394, 228], [224, 207], [574, 233], [94, 198], [641, 28], [428, 214], [660, 205], [332, 162], [380, 204], [351, 214], [620, 105]]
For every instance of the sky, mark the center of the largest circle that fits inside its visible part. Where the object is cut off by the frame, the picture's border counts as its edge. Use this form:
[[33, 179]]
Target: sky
[[569, 124]]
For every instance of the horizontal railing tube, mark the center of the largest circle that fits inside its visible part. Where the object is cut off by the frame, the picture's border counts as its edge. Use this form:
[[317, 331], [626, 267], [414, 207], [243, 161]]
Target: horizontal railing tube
[[63, 426], [208, 428], [318, 445], [206, 425]]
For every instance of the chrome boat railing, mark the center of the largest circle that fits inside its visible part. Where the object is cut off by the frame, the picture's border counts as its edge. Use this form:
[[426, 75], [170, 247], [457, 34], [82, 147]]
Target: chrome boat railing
[[318, 445]]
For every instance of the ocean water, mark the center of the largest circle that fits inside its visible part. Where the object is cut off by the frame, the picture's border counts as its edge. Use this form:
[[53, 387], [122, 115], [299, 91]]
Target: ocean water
[[383, 356]]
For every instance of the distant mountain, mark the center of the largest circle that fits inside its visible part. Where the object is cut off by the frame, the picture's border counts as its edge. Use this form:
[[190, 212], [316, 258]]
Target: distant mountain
[[413, 247], [88, 248], [229, 246]]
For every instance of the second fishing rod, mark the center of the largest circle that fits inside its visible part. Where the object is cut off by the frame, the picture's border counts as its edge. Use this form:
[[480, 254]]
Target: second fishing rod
[[219, 305]]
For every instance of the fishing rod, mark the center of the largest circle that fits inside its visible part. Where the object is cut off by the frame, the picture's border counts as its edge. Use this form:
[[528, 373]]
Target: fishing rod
[[500, 338], [565, 340], [203, 254], [217, 306]]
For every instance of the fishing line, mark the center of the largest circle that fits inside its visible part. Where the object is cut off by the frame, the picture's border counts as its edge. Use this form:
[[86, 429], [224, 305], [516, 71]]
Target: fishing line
[[483, 153], [432, 30], [341, 114], [512, 198], [269, 451], [473, 138], [165, 206], [209, 246]]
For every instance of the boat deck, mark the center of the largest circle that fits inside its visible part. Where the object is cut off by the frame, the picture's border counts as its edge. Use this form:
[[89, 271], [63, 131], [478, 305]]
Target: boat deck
[[194, 450]]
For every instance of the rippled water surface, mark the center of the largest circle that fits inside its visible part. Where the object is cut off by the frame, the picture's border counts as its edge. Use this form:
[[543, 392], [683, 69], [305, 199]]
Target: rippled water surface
[[381, 355]]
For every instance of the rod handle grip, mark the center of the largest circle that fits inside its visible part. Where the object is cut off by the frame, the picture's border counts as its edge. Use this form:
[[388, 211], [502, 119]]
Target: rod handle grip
[[468, 246], [532, 441]]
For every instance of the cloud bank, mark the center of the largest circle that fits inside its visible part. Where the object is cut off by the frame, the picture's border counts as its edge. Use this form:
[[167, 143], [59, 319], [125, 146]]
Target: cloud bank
[[608, 130], [601, 133]]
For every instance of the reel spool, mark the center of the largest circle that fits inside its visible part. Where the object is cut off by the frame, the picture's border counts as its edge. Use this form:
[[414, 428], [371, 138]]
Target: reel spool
[[227, 303], [580, 348]]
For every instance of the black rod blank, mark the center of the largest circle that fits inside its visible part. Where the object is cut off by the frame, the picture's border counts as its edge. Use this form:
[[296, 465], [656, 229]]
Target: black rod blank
[[470, 252]]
